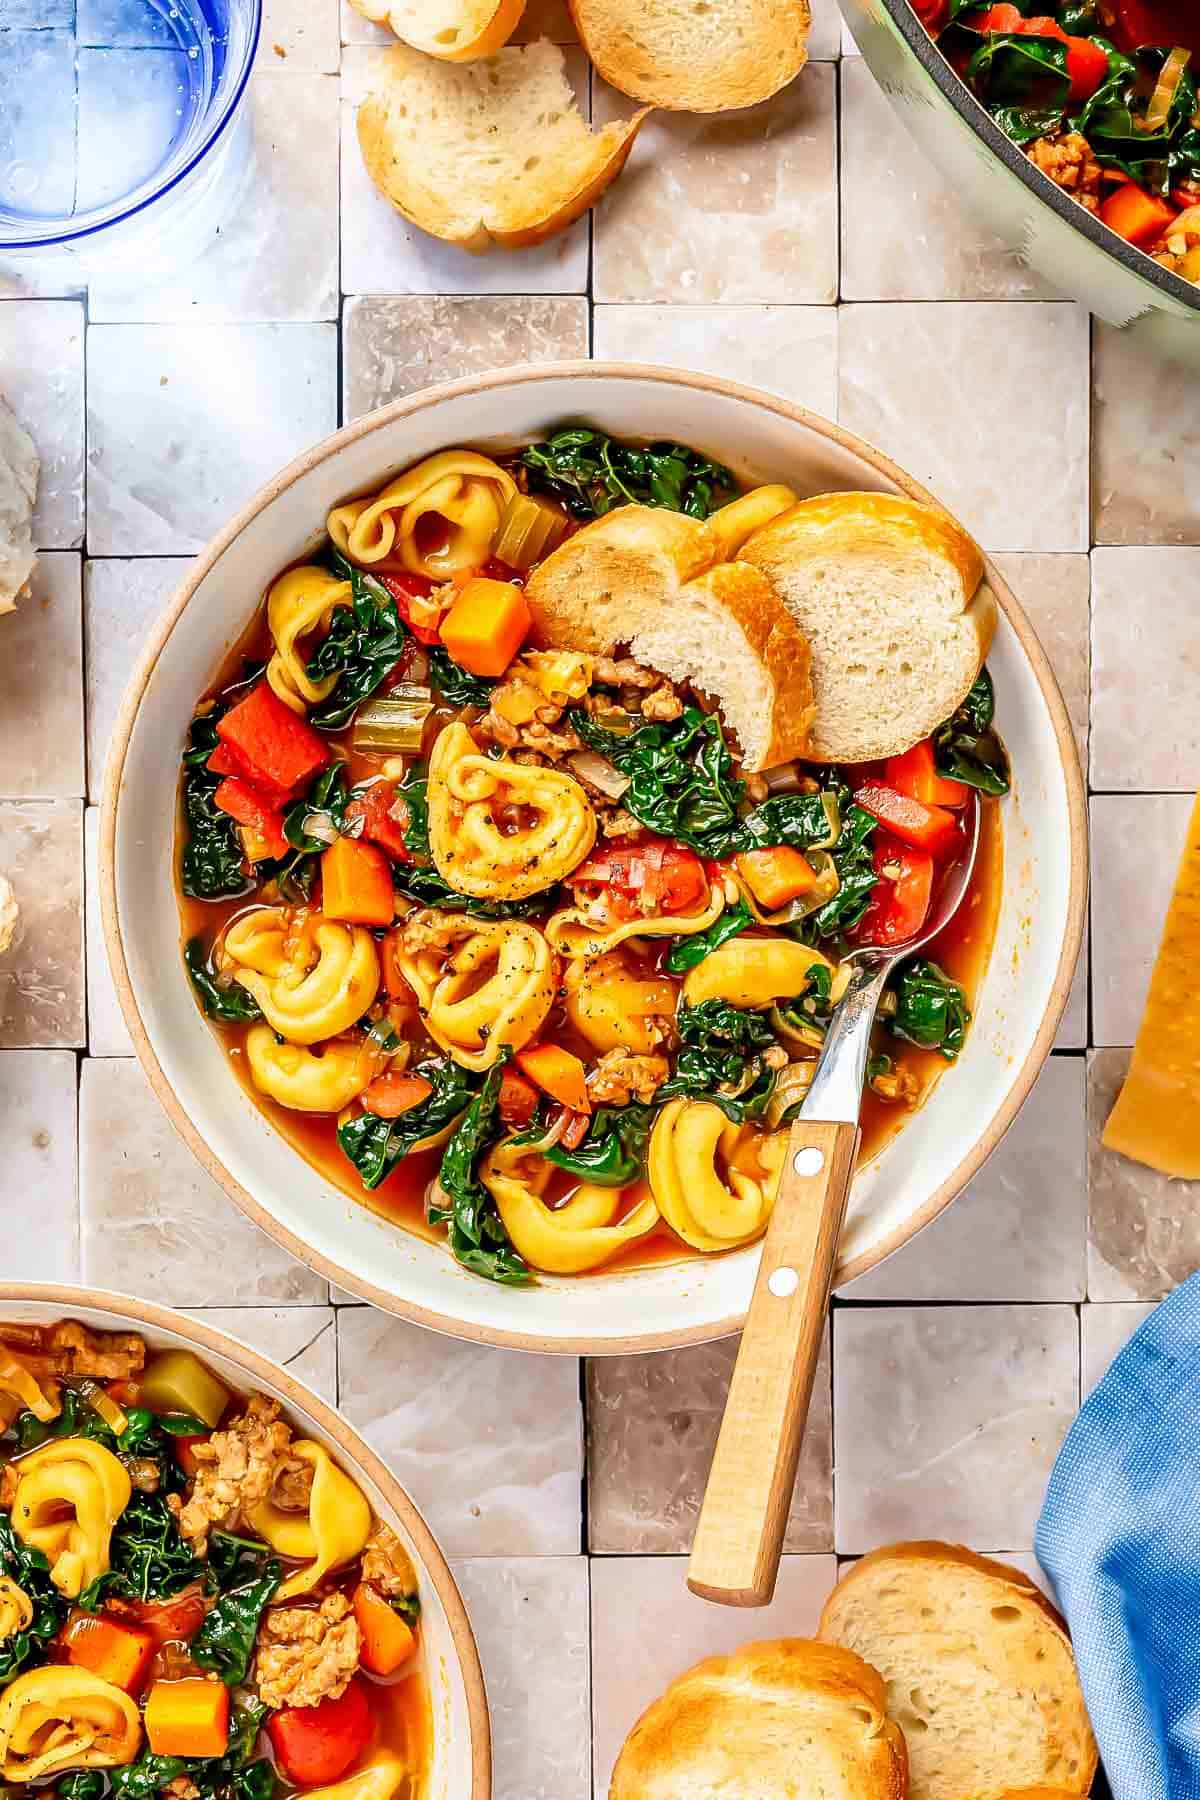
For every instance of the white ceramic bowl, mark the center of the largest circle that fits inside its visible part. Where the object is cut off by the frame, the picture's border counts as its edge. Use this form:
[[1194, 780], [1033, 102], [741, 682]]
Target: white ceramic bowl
[[1017, 1010], [462, 1756]]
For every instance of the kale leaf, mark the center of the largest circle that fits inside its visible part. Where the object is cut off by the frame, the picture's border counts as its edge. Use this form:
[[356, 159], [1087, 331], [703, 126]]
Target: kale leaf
[[296, 872], [232, 1004], [454, 683], [30, 1569], [212, 865], [681, 780], [1111, 120], [800, 820], [364, 643], [721, 1046], [592, 473], [931, 1010], [967, 748], [474, 1229], [233, 1776], [225, 1641], [614, 1151], [854, 860], [686, 952], [146, 1436], [234, 1560], [148, 1559], [376, 1145]]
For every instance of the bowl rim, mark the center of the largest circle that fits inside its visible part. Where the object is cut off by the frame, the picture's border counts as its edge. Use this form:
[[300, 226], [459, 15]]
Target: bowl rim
[[976, 115], [330, 446], [350, 1442]]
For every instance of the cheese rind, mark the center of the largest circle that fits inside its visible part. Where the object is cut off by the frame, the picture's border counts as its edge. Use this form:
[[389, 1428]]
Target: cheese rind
[[1156, 1119]]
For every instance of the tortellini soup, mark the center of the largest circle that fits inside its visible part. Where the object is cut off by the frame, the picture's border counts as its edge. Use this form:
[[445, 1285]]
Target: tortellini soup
[[194, 1599], [501, 933]]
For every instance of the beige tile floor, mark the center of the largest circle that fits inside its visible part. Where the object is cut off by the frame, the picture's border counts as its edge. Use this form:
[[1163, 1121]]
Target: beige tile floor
[[759, 246]]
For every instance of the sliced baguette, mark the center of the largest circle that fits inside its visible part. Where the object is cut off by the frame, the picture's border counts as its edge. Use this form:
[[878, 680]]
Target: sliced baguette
[[484, 153], [691, 58], [978, 1667], [655, 582], [789, 1720], [890, 595], [451, 30]]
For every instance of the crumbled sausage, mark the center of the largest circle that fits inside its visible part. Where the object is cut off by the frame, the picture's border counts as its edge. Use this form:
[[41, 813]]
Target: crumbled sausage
[[70, 1351], [498, 730], [292, 1484], [306, 1653], [897, 1085], [144, 1474], [540, 736], [620, 1077], [623, 673], [662, 703], [182, 1788], [1067, 158], [235, 1470], [615, 822], [387, 1565]]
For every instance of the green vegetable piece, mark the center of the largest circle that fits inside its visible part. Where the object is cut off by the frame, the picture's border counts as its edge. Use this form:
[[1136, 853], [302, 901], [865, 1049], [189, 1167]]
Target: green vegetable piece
[[176, 1381], [148, 1559], [234, 1776], [686, 952], [212, 865], [31, 1572], [364, 643], [721, 1051], [967, 748], [375, 1145], [229, 1005], [854, 860], [593, 473], [931, 1010], [454, 683], [475, 1231], [614, 1151], [224, 1644]]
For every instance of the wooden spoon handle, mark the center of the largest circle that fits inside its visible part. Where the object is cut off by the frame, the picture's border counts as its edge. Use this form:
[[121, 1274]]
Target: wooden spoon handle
[[739, 1537]]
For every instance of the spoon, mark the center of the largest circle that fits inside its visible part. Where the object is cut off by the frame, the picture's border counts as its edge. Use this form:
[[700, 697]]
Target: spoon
[[739, 1536]]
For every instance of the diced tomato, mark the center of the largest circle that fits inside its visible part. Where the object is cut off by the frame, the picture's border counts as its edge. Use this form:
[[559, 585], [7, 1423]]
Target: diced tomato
[[125, 1393], [518, 1098], [929, 828], [245, 804], [384, 816], [899, 905], [315, 1745], [915, 774], [574, 1131], [169, 1621], [1160, 22], [998, 18], [412, 596], [667, 877], [932, 14], [278, 747], [390, 1095]]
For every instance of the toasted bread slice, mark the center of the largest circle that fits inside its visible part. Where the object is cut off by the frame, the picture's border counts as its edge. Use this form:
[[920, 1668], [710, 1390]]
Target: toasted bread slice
[[789, 1720], [890, 595], [451, 30], [729, 53], [655, 581], [491, 152], [978, 1667]]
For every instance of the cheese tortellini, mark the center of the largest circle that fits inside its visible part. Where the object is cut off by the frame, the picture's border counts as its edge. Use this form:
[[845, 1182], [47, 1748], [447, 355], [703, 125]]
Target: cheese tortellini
[[502, 830], [301, 1079], [58, 1718], [493, 991], [453, 501], [297, 603], [380, 1780], [715, 1182], [311, 981], [615, 1009], [16, 1608], [333, 1531], [21, 1389], [574, 932], [70, 1494], [562, 1240], [753, 971]]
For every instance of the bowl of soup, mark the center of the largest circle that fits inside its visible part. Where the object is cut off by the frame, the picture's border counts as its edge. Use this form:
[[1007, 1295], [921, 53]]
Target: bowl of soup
[[207, 1578], [487, 975]]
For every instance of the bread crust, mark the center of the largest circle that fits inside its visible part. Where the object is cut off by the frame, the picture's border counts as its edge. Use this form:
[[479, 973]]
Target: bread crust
[[490, 23], [890, 513], [719, 73], [743, 1726]]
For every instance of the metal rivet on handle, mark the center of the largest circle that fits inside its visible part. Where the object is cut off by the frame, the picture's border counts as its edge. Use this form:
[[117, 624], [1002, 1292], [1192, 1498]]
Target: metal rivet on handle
[[809, 1162], [783, 1283]]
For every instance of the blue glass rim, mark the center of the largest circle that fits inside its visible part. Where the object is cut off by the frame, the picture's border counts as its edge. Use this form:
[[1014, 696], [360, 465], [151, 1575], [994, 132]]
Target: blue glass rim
[[92, 225]]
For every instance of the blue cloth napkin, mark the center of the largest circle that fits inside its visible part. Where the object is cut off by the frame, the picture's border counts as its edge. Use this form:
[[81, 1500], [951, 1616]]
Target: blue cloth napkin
[[1120, 1536]]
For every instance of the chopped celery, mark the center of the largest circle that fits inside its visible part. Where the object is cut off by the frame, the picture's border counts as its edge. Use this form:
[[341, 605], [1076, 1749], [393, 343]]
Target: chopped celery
[[394, 723]]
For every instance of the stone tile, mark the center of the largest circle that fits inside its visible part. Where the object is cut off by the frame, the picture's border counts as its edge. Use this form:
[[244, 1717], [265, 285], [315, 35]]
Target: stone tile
[[1145, 641], [301, 1339], [488, 1442], [41, 724], [933, 386], [41, 377], [652, 1428], [948, 1420], [153, 1221], [306, 31], [789, 350], [275, 255], [1073, 1031], [1143, 1227], [924, 243], [41, 974], [391, 348], [1146, 446], [383, 254], [37, 1131], [185, 422], [1018, 1231], [1105, 1331], [738, 206], [825, 35], [107, 1033], [1136, 843], [530, 1619], [122, 597], [1055, 592], [639, 1648]]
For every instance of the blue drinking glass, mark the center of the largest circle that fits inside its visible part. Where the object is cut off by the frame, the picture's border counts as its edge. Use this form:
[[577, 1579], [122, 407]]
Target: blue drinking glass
[[121, 137]]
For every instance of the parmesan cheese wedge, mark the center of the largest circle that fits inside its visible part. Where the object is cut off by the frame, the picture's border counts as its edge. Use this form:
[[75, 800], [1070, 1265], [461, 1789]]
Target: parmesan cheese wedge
[[1156, 1119]]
